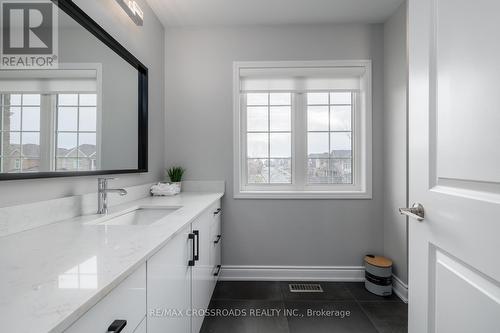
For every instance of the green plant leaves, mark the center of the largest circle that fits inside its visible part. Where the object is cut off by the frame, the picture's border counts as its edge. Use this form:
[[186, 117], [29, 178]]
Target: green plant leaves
[[175, 174]]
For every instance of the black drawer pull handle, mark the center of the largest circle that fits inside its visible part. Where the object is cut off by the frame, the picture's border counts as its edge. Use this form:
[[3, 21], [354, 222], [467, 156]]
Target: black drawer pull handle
[[218, 270], [197, 255], [218, 211], [192, 261], [117, 326], [218, 239]]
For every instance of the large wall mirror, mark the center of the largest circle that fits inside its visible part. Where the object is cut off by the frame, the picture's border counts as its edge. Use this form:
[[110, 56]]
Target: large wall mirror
[[88, 116]]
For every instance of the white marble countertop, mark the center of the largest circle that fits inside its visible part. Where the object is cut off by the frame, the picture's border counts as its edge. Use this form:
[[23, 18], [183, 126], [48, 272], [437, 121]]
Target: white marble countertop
[[38, 267]]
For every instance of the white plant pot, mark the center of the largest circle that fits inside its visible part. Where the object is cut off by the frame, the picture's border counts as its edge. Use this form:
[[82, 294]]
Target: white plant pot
[[178, 186]]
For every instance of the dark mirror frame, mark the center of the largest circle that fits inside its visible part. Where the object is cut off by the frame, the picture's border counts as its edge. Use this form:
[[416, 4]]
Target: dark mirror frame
[[75, 12]]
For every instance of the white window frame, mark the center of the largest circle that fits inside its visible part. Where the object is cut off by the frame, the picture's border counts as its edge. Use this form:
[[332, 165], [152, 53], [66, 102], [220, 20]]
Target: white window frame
[[362, 141], [99, 92], [18, 159], [55, 131], [48, 105]]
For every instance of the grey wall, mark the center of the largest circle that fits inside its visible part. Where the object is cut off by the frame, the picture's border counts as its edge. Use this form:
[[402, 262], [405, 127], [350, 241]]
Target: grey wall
[[199, 137], [119, 121], [395, 130], [147, 44]]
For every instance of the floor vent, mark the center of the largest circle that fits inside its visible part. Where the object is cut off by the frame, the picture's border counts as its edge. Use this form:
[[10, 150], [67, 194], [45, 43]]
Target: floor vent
[[305, 288]]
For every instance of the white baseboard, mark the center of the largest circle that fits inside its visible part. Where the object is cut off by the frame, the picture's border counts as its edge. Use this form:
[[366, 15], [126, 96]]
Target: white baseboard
[[400, 288], [305, 273], [293, 273]]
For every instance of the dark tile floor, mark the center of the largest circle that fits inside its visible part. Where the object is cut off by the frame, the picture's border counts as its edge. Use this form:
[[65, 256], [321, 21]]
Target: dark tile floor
[[262, 307]]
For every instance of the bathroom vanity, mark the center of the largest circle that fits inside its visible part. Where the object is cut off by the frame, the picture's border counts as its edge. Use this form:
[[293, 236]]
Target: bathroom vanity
[[89, 272], [144, 264]]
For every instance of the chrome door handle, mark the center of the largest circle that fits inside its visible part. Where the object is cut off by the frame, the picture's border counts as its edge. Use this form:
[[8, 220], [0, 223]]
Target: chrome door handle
[[416, 211]]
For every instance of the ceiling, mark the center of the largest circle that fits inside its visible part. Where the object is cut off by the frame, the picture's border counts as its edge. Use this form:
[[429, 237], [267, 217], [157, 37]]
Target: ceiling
[[249, 12]]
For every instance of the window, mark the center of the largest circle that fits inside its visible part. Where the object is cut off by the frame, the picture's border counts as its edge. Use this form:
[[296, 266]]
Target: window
[[269, 138], [302, 129], [56, 129], [20, 132], [70, 139], [329, 137], [76, 147]]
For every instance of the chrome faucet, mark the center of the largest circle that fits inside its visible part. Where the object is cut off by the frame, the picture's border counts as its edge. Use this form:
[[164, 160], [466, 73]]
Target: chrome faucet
[[102, 194]]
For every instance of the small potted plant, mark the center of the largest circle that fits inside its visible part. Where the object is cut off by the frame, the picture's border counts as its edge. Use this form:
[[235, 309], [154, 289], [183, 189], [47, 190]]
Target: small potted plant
[[175, 174]]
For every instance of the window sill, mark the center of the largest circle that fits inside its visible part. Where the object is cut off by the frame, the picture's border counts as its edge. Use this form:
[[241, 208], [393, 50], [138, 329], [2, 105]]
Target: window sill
[[346, 195]]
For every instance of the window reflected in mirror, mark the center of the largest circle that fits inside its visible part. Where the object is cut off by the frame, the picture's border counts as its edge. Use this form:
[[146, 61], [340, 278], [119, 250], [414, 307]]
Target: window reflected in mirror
[[76, 147], [48, 132]]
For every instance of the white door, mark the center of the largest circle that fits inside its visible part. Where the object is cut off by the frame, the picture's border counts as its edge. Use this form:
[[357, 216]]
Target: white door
[[454, 106], [169, 286]]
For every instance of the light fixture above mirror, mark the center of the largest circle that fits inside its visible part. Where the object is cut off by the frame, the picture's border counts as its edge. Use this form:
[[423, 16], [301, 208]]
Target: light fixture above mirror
[[133, 10]]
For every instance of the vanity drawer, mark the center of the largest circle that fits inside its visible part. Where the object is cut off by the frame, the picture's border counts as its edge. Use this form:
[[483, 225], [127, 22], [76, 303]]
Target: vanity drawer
[[126, 302]]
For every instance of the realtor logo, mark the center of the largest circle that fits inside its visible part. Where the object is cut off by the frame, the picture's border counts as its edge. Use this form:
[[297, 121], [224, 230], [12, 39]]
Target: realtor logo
[[29, 34]]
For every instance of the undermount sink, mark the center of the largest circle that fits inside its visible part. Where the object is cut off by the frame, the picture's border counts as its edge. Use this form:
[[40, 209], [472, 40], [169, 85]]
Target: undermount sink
[[140, 216]]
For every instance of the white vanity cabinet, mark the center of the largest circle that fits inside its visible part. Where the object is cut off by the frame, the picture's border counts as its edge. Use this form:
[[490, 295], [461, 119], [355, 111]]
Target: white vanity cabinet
[[142, 327], [180, 276], [169, 285], [125, 302], [207, 268], [202, 270], [167, 293]]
